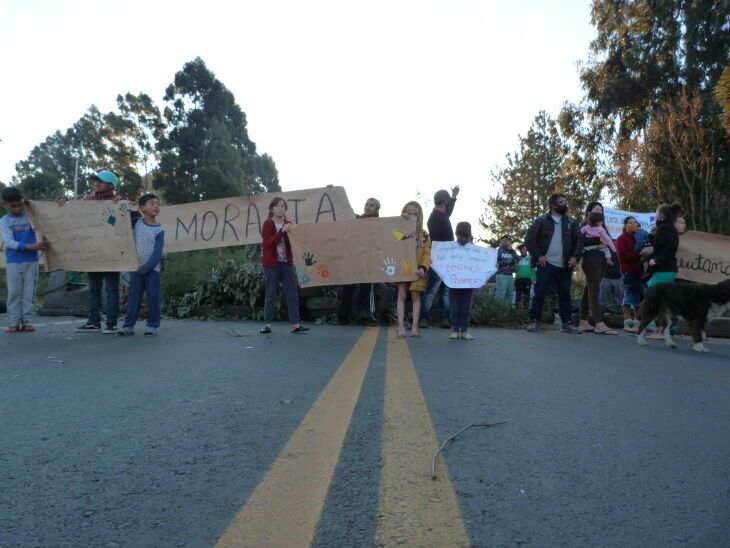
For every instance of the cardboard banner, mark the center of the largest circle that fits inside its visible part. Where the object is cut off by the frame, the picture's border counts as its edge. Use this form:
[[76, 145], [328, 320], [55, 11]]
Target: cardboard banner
[[463, 266], [93, 236], [357, 251], [238, 220], [703, 257], [614, 220]]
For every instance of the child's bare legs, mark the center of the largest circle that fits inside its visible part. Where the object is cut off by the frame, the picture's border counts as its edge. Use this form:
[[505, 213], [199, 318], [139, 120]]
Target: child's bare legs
[[416, 299], [401, 306]]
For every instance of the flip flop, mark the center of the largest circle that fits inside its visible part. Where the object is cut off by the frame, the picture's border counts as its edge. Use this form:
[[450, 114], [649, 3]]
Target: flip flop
[[400, 333], [14, 329], [606, 332], [28, 329]]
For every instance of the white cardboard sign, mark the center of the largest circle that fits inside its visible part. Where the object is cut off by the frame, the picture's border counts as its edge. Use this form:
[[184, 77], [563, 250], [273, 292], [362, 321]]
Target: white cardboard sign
[[463, 266]]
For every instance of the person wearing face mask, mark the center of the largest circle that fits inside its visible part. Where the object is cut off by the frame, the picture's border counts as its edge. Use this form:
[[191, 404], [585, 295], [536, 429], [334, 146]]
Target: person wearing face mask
[[461, 298], [555, 243]]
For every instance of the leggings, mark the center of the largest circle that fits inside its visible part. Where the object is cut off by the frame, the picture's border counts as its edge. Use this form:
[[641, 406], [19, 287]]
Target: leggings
[[593, 268]]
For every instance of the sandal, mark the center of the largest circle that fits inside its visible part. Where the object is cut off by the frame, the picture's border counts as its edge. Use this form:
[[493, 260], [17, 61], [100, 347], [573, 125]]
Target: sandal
[[606, 332], [400, 333], [28, 329], [14, 329], [415, 333]]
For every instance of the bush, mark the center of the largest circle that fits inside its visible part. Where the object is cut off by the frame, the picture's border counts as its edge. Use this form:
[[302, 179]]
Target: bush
[[229, 282], [488, 310]]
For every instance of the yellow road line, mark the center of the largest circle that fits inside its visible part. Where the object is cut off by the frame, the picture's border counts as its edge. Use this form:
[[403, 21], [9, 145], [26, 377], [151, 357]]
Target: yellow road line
[[415, 510], [284, 509]]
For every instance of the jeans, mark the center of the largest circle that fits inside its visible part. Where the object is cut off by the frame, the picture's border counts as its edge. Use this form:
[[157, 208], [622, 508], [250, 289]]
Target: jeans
[[21, 280], [546, 275], [505, 288], [138, 284], [460, 307], [273, 275], [434, 285], [110, 281], [632, 289]]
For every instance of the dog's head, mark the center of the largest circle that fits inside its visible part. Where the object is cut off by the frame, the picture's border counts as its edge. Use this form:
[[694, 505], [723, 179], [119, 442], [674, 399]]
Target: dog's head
[[719, 293]]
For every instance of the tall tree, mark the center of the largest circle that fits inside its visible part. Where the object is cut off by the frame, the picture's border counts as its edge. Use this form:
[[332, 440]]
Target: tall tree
[[532, 174], [207, 153]]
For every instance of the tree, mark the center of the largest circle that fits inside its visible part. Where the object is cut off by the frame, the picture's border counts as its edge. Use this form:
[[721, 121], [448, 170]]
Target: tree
[[531, 175], [207, 153], [722, 96]]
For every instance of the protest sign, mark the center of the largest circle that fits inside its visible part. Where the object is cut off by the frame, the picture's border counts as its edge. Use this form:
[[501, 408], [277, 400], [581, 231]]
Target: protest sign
[[91, 236], [357, 251], [703, 257], [238, 220], [614, 220], [463, 266]]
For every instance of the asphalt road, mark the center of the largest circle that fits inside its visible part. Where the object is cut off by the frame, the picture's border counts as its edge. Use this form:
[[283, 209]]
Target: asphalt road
[[325, 439]]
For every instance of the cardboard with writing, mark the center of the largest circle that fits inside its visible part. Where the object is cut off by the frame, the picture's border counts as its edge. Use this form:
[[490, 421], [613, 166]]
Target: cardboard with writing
[[703, 257], [90, 236], [238, 220], [463, 266], [355, 251]]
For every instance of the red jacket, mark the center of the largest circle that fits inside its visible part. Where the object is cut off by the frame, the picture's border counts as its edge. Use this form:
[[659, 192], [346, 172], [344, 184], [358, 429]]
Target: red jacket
[[270, 237], [629, 259]]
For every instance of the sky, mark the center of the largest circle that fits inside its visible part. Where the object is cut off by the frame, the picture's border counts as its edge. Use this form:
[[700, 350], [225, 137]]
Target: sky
[[392, 99]]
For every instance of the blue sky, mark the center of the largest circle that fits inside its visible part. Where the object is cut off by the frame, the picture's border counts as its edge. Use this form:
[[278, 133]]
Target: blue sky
[[394, 99]]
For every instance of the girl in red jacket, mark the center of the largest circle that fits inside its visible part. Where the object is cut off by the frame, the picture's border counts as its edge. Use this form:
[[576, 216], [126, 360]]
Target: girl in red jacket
[[276, 259]]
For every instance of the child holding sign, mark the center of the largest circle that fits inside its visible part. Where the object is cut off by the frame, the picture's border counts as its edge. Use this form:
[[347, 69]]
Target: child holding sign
[[21, 253], [149, 240], [412, 210], [461, 298]]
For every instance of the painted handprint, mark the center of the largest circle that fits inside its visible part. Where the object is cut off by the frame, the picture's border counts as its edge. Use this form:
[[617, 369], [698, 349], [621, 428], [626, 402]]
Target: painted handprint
[[389, 267], [305, 277], [308, 259], [109, 217], [397, 234], [323, 271], [406, 268]]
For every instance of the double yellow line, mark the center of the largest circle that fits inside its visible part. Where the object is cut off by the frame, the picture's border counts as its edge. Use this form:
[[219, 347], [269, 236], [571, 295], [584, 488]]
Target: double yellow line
[[285, 507]]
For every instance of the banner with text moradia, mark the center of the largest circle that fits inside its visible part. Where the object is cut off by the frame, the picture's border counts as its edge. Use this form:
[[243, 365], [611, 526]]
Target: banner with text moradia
[[86, 236], [237, 220], [375, 249]]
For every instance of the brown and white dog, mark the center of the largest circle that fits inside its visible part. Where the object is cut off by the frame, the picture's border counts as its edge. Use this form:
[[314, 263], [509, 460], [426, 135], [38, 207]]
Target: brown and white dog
[[697, 304]]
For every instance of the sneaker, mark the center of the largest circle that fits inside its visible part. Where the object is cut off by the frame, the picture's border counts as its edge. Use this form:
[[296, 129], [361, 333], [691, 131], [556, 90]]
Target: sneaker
[[110, 330], [570, 328], [423, 323], [265, 330], [125, 332], [150, 332], [88, 328], [300, 329], [532, 327], [467, 336], [445, 324], [454, 335]]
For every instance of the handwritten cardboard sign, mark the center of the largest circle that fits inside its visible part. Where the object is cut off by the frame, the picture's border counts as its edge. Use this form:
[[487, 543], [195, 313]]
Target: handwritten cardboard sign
[[86, 236], [238, 220], [355, 251], [463, 266], [614, 220], [703, 257]]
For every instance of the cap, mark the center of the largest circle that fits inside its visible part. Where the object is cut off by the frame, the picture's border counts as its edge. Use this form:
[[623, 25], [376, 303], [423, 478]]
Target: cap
[[106, 176]]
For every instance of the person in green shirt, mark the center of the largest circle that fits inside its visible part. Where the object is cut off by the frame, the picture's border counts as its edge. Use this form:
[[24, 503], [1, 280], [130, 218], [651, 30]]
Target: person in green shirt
[[524, 277]]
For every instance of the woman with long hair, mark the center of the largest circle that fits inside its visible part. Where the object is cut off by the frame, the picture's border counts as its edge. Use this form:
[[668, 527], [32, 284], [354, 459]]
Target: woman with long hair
[[412, 210], [631, 271], [594, 266], [276, 258]]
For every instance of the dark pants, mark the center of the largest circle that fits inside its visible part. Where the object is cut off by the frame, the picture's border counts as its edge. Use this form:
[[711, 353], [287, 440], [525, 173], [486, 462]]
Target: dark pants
[[138, 285], [273, 275], [593, 268], [460, 305], [365, 300], [435, 285], [522, 292], [546, 275], [110, 281]]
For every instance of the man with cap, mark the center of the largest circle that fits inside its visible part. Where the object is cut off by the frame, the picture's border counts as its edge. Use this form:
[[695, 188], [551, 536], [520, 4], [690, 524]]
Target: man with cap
[[440, 230], [105, 185]]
